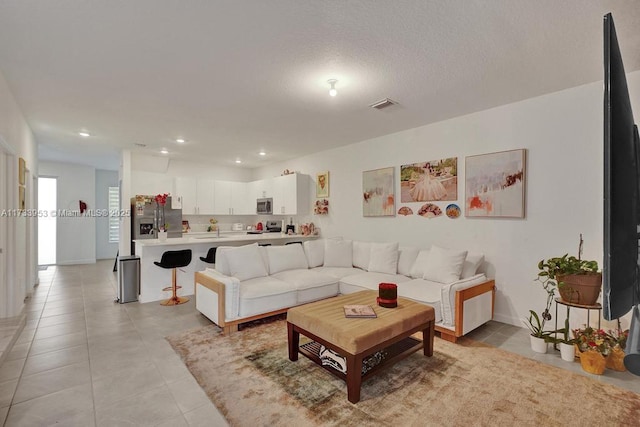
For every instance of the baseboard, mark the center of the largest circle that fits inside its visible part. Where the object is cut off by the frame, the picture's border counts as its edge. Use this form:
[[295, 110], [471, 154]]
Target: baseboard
[[80, 261], [510, 320]]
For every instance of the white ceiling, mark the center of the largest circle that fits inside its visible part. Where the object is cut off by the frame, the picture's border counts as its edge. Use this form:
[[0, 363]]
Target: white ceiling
[[235, 77]]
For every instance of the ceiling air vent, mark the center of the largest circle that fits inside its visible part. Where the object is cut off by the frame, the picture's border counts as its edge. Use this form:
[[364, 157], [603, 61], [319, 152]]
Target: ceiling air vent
[[137, 144], [383, 103]]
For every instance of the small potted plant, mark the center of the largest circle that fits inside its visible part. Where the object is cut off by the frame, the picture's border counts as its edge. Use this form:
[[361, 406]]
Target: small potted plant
[[594, 346], [618, 342], [539, 337], [566, 343], [577, 280]]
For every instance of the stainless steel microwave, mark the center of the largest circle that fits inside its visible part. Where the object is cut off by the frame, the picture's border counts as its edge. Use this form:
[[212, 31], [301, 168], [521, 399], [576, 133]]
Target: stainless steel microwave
[[264, 206]]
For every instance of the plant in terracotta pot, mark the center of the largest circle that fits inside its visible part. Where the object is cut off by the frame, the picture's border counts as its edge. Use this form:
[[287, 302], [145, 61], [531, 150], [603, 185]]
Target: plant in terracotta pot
[[577, 280]]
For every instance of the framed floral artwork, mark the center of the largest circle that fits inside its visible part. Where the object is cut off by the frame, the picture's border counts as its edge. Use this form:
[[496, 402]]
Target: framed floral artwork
[[495, 184], [378, 192], [322, 185]]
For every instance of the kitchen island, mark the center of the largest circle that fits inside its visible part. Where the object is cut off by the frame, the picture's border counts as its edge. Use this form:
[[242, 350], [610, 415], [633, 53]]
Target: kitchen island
[[153, 278]]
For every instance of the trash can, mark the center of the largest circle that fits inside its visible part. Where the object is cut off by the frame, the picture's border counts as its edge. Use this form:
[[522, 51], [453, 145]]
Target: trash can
[[128, 279]]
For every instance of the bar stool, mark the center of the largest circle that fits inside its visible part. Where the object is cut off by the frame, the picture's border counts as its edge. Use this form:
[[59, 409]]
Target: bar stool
[[264, 244], [211, 256], [293, 243], [174, 260]]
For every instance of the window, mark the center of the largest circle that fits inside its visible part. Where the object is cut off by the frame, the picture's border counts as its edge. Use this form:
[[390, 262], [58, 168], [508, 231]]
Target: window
[[114, 220]]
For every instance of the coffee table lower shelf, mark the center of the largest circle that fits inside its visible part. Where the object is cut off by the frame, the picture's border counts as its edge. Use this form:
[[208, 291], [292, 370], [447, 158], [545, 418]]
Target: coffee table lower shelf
[[391, 355]]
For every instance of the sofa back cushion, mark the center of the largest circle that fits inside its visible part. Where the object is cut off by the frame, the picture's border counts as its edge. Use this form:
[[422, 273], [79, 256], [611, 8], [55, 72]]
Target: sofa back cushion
[[444, 265], [338, 253], [417, 269], [383, 258], [471, 265], [314, 251], [361, 254], [246, 262], [287, 257], [222, 266], [406, 257]]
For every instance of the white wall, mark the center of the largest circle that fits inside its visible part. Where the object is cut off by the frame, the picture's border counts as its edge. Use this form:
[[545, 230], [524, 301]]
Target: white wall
[[76, 234], [16, 140], [104, 180], [563, 135]]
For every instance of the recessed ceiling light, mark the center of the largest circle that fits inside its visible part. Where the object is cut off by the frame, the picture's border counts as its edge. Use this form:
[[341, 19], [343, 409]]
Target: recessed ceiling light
[[238, 161], [84, 134], [332, 83], [180, 140], [164, 151], [262, 153]]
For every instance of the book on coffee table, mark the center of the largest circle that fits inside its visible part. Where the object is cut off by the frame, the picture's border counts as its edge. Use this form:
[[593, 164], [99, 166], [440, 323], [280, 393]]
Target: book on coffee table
[[357, 310]]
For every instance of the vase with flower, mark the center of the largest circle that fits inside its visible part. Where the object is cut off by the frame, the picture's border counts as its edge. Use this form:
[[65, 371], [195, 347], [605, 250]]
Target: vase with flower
[[161, 226], [618, 341]]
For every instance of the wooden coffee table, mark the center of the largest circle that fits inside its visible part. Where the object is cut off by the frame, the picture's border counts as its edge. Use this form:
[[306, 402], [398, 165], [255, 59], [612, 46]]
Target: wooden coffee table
[[358, 338]]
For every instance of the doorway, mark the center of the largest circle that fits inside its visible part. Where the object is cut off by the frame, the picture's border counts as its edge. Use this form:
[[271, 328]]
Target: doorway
[[47, 225]]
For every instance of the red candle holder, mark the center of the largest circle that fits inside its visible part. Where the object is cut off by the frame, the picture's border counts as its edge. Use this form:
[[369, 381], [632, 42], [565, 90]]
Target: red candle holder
[[387, 295]]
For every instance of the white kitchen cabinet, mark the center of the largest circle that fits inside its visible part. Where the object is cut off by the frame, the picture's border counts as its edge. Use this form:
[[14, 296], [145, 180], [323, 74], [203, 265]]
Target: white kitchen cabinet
[[231, 198], [262, 188], [291, 194], [197, 195]]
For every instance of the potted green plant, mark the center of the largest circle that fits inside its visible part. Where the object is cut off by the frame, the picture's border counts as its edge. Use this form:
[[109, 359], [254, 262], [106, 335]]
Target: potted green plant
[[565, 342], [539, 337], [577, 280]]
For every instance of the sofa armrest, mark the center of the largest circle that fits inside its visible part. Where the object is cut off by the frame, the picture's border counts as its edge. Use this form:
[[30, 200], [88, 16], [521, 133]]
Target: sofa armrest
[[226, 295], [473, 305], [448, 296]]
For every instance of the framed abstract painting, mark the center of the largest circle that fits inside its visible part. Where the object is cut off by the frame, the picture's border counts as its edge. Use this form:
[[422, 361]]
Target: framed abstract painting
[[378, 192], [495, 184]]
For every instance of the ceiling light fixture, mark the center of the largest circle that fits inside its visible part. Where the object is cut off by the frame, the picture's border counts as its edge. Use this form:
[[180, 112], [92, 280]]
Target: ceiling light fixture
[[238, 161], [84, 134], [180, 140], [164, 151], [332, 91], [262, 153]]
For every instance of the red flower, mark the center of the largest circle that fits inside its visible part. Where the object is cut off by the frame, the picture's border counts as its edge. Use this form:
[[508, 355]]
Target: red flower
[[161, 199]]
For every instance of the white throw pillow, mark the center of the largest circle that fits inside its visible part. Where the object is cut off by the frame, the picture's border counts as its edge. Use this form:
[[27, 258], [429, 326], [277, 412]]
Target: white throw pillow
[[444, 265], [287, 257], [406, 257], [471, 265], [222, 266], [338, 253], [384, 258], [361, 254], [245, 262], [417, 269], [314, 251]]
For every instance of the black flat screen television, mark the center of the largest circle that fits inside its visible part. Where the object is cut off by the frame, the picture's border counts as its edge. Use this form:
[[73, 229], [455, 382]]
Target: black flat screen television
[[620, 263]]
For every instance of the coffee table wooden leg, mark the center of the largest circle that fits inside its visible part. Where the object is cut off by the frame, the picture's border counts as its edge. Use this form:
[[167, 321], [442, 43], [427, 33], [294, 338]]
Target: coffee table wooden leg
[[354, 377], [427, 339], [293, 339]]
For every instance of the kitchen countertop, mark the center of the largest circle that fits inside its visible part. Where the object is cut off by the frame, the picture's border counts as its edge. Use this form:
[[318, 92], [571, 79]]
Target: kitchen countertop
[[210, 237]]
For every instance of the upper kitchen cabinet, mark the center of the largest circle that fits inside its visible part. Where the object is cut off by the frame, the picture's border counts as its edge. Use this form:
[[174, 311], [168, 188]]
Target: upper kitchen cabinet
[[197, 195], [291, 194], [232, 198], [261, 189]]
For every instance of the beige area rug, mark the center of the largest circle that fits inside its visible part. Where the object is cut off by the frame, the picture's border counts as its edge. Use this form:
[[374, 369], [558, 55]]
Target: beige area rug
[[249, 377]]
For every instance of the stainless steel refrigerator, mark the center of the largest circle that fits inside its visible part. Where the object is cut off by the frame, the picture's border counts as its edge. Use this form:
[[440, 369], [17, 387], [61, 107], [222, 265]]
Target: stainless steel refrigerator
[[147, 217]]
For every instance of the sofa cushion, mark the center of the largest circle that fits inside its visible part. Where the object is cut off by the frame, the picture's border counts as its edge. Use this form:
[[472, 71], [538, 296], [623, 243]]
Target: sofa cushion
[[265, 294], [361, 254], [222, 266], [444, 265], [368, 280], [339, 272], [406, 257], [246, 262], [286, 257], [314, 251], [311, 285], [417, 269], [471, 265], [338, 253], [423, 291], [384, 258]]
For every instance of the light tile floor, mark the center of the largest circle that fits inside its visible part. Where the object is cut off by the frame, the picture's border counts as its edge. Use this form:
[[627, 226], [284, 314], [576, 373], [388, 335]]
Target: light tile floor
[[87, 361]]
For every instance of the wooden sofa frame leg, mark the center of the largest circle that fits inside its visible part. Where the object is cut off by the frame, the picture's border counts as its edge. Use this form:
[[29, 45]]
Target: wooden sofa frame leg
[[461, 296]]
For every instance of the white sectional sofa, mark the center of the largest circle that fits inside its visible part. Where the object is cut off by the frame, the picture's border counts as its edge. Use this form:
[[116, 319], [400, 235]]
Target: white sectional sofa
[[251, 282]]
